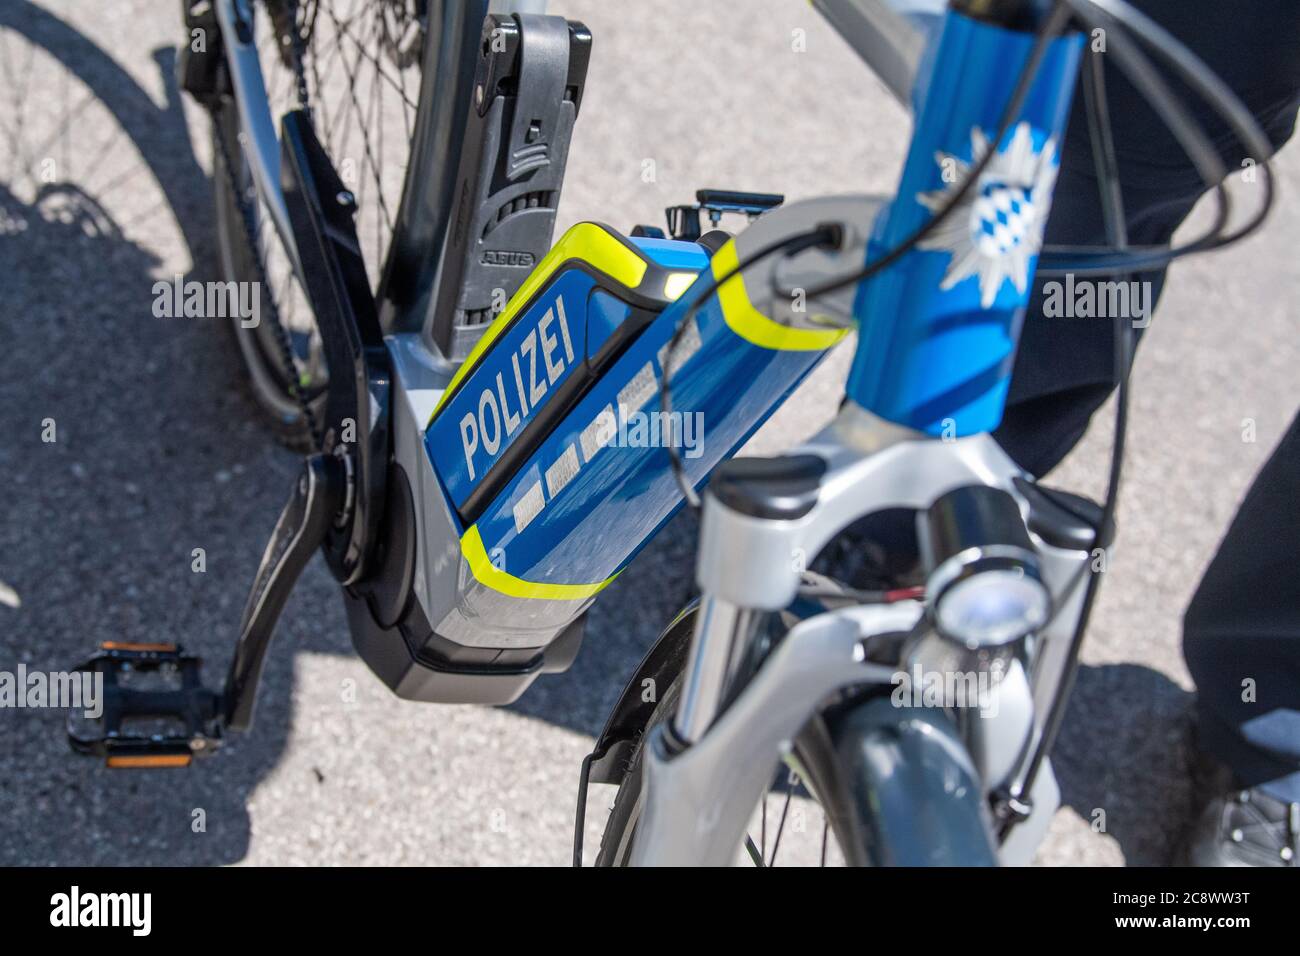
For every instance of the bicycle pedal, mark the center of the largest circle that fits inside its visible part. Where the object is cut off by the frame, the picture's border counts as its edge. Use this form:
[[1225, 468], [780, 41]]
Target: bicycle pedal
[[154, 709]]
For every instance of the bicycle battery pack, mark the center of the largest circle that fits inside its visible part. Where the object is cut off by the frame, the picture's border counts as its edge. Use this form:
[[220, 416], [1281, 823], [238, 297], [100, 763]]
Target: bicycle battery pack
[[544, 469]]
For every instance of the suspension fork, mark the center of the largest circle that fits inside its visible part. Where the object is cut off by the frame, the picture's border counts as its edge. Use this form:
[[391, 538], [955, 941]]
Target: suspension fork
[[723, 632], [759, 515]]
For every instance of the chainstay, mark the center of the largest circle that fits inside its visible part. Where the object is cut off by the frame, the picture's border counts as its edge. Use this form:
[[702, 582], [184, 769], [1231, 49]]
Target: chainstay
[[289, 362]]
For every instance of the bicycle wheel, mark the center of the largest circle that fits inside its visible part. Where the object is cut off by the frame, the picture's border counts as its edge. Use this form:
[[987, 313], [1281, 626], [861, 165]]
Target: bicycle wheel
[[358, 61], [891, 785], [790, 826]]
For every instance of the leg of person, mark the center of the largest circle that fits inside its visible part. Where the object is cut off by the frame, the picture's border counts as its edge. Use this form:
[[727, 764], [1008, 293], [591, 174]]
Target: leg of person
[[1244, 623], [1065, 367], [1241, 640]]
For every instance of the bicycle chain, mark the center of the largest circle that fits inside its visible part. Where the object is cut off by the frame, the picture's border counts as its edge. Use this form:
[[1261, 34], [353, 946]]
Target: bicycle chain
[[296, 46]]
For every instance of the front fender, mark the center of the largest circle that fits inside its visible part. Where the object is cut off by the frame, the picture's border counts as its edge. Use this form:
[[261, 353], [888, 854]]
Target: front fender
[[906, 784], [627, 721]]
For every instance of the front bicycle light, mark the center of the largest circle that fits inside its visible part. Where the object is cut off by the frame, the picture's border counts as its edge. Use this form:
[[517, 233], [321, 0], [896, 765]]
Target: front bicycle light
[[986, 593]]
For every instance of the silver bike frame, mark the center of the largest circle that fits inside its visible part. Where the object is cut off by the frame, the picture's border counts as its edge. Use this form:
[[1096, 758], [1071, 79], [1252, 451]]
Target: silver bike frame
[[889, 35], [697, 802]]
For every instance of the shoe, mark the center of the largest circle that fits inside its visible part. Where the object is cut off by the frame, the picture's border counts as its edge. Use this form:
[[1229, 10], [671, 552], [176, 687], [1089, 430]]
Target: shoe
[[1243, 826]]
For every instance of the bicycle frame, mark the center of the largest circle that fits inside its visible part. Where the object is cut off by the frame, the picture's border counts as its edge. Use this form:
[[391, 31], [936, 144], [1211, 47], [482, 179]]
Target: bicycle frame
[[476, 598], [263, 146], [516, 532]]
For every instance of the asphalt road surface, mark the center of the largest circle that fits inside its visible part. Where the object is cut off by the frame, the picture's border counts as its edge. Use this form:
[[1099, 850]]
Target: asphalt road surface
[[104, 190]]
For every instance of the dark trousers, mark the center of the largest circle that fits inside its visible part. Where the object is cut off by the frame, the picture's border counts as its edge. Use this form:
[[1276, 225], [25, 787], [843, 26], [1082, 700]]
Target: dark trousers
[[1244, 620]]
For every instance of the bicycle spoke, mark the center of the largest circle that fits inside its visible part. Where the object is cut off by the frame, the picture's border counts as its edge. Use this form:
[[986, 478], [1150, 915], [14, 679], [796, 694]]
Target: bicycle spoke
[[785, 809], [337, 47], [354, 110], [325, 119], [371, 58], [352, 94], [375, 105]]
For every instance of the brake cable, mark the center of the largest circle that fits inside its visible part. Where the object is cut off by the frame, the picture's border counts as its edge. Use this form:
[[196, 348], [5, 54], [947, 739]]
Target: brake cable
[[1200, 79]]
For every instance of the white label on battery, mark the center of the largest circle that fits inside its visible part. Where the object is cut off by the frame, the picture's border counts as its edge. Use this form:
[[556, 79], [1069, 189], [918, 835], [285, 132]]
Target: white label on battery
[[687, 346], [529, 506], [562, 471], [597, 435], [638, 391]]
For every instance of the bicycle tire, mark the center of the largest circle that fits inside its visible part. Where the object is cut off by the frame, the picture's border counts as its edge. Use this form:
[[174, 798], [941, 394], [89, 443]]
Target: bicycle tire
[[269, 381], [266, 382]]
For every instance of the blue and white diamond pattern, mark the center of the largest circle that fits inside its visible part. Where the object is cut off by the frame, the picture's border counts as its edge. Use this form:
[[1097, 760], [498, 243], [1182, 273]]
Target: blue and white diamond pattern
[[1005, 214], [997, 229]]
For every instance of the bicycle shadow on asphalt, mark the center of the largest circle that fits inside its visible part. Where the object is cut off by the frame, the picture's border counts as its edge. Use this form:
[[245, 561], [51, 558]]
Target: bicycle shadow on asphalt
[[1126, 750], [156, 453]]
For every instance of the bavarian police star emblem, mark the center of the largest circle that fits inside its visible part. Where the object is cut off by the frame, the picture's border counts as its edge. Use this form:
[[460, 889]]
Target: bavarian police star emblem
[[998, 226]]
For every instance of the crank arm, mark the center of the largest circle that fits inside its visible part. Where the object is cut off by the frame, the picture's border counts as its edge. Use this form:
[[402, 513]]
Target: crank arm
[[307, 518], [360, 376]]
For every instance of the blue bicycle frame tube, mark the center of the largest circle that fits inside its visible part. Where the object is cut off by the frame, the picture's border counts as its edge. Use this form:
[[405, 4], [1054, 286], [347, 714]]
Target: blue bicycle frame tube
[[938, 329], [567, 515]]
